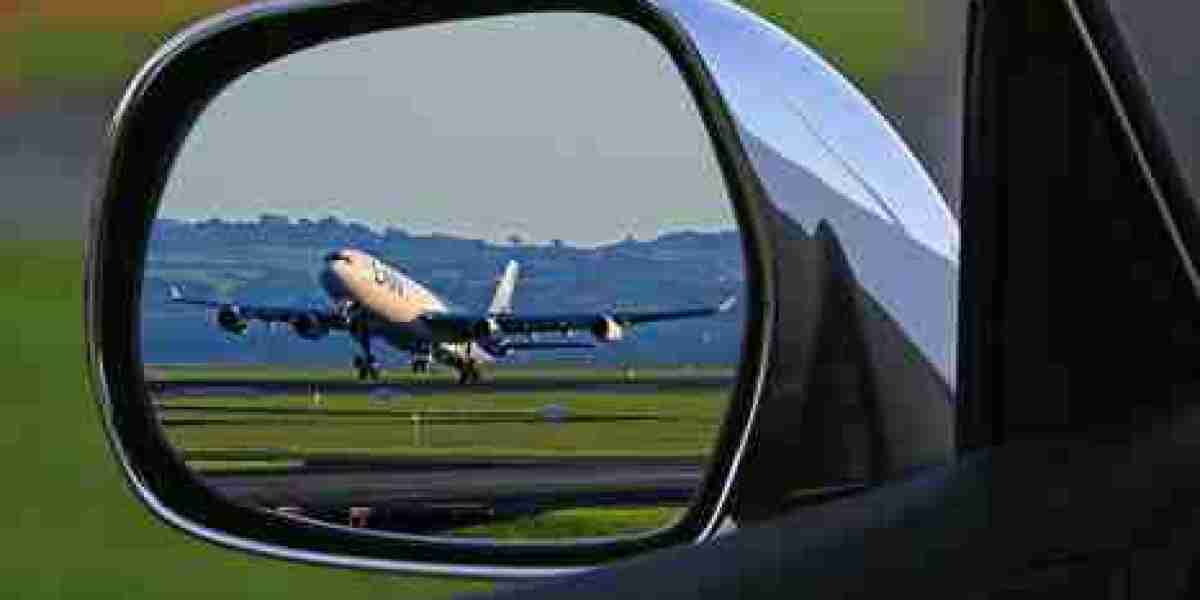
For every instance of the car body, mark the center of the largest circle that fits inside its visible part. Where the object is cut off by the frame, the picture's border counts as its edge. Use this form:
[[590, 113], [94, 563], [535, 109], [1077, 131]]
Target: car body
[[1156, 43]]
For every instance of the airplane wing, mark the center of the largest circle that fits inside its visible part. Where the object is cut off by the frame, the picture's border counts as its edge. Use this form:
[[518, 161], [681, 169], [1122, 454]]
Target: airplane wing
[[501, 320], [506, 347], [304, 317], [608, 324], [525, 324]]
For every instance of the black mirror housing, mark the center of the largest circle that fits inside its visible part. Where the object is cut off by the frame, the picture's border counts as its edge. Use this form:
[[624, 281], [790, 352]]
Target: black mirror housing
[[157, 113]]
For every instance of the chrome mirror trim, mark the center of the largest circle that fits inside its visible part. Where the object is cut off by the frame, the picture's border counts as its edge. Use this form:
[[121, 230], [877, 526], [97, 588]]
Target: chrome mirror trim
[[795, 111]]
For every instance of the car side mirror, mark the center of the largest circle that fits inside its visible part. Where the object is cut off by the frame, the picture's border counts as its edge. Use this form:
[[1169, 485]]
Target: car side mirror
[[695, 278]]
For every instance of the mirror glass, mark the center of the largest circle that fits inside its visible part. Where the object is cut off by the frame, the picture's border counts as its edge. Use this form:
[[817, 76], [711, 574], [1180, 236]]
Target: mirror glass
[[474, 279]]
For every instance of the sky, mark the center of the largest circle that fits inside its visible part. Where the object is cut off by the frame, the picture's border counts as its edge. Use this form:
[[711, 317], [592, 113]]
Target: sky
[[551, 126]]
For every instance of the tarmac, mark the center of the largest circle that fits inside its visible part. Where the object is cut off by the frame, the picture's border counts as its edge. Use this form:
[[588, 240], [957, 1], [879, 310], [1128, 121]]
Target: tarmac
[[427, 496]]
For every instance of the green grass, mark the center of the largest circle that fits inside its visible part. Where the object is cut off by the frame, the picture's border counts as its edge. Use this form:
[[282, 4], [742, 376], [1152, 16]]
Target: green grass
[[56, 46], [865, 40], [75, 56], [691, 403], [500, 373], [74, 527], [244, 434], [243, 466], [661, 425], [577, 523], [284, 456]]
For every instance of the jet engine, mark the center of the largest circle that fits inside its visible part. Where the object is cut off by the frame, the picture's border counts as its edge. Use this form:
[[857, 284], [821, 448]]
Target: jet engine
[[606, 329], [310, 327], [230, 318]]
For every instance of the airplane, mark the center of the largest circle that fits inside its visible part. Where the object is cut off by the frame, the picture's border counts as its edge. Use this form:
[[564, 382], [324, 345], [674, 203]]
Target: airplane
[[372, 300]]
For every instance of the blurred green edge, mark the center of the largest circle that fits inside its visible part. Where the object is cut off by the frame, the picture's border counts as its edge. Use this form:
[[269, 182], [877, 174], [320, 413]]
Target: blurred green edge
[[74, 527], [864, 39]]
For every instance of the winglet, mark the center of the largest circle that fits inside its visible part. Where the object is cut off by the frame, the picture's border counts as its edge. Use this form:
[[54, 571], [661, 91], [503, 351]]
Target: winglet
[[175, 292], [727, 304]]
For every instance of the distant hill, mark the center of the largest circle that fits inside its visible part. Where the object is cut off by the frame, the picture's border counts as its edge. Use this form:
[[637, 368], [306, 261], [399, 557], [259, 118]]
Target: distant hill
[[275, 261]]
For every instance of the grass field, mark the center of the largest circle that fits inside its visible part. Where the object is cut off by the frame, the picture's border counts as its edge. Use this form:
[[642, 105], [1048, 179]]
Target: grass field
[[80, 531], [83, 44], [244, 430], [578, 523], [499, 374], [610, 422]]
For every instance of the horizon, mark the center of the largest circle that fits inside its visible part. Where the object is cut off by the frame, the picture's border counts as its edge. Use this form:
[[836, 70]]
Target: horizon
[[274, 218]]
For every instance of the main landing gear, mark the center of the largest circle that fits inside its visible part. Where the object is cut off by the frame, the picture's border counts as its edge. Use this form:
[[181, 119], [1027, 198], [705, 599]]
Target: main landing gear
[[468, 373], [368, 368], [468, 367], [421, 358], [366, 365]]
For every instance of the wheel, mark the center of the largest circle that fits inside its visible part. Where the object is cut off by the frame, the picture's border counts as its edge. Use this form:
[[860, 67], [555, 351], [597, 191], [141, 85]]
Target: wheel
[[469, 374], [367, 369]]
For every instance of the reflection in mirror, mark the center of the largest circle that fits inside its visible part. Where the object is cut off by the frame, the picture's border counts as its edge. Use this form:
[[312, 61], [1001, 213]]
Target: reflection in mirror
[[470, 279]]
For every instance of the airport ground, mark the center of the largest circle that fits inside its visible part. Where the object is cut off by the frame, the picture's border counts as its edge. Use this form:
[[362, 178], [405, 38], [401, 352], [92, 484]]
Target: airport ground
[[230, 414], [544, 373], [577, 523], [534, 451]]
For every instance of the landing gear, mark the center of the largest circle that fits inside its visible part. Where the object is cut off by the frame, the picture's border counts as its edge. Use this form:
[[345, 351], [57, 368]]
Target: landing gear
[[468, 367], [468, 373], [459, 358], [366, 365], [421, 358], [368, 368]]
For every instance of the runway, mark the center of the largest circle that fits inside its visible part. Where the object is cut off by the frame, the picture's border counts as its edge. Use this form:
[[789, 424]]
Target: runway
[[427, 496]]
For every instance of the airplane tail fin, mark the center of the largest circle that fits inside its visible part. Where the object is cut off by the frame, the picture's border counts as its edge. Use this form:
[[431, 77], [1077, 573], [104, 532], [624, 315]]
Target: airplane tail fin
[[502, 300]]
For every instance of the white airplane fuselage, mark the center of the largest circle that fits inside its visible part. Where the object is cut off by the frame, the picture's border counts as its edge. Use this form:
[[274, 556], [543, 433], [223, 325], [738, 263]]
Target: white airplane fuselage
[[392, 304]]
